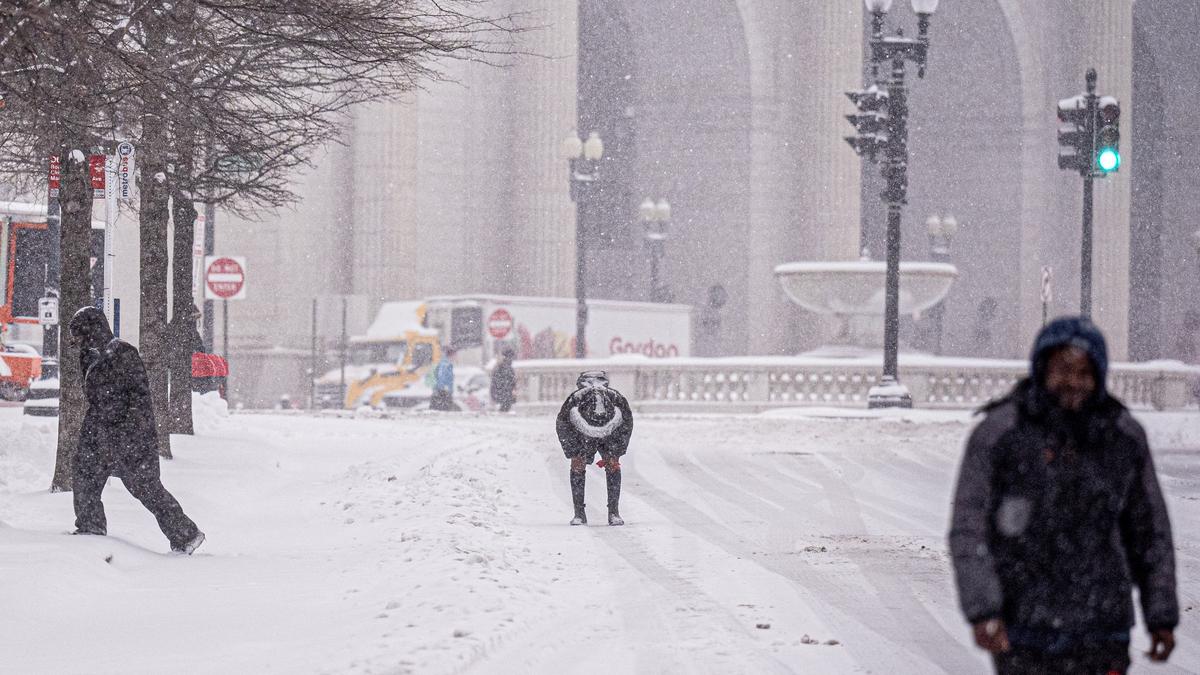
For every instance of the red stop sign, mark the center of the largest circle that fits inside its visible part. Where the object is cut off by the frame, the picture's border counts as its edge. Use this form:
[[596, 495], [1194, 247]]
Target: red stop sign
[[499, 324], [225, 278]]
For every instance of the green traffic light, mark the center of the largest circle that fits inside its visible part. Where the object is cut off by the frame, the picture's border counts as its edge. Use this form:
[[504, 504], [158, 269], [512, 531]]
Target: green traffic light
[[1108, 159]]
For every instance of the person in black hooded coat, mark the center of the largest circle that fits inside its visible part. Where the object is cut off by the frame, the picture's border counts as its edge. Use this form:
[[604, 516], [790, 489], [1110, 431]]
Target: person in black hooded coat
[[118, 435], [1057, 515], [595, 418]]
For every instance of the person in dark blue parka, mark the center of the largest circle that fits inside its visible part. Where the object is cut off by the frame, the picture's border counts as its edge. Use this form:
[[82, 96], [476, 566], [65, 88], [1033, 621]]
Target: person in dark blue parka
[[1058, 515]]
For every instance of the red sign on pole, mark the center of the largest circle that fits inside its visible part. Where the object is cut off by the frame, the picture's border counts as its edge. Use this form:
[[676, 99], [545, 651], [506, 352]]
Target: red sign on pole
[[96, 173], [55, 176], [499, 324], [225, 278]]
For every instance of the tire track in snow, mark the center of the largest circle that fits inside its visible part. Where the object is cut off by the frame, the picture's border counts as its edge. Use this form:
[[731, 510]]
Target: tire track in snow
[[678, 613], [924, 638]]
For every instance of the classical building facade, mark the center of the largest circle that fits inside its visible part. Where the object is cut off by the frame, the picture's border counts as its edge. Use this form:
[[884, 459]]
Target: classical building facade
[[733, 110]]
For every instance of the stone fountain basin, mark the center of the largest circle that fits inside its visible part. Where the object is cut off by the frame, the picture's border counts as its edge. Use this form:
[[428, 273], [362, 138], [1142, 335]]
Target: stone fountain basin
[[857, 287]]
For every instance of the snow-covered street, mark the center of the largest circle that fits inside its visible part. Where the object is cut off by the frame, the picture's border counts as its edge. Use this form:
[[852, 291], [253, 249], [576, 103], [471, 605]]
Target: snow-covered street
[[792, 542]]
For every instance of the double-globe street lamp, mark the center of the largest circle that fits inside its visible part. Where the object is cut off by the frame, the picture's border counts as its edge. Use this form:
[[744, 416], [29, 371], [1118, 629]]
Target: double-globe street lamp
[[941, 230], [882, 123], [583, 158], [656, 222]]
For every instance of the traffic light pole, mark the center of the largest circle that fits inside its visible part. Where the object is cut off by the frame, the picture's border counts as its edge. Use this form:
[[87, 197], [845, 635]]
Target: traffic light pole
[[1089, 143], [1085, 252]]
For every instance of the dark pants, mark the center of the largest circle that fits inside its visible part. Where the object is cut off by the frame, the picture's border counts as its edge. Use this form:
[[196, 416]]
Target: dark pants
[[1106, 658], [90, 472], [442, 399]]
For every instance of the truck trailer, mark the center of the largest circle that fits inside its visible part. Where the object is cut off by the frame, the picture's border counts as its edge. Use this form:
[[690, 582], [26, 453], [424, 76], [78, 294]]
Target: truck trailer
[[388, 365]]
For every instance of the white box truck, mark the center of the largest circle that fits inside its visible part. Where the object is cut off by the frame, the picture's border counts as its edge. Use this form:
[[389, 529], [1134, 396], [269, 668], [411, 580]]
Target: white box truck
[[388, 365], [479, 326]]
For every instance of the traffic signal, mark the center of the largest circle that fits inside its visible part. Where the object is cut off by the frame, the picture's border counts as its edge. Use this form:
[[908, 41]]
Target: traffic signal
[[1074, 135], [871, 121], [1108, 135]]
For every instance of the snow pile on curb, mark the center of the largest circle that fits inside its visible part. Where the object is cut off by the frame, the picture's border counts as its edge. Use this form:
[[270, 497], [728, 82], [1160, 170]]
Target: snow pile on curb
[[27, 454], [210, 412]]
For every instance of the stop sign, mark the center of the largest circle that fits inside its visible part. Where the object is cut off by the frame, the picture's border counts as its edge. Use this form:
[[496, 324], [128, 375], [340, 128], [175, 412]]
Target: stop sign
[[225, 278], [500, 323]]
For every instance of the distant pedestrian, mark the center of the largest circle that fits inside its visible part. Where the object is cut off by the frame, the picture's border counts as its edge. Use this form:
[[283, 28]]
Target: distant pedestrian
[[504, 381], [118, 435], [443, 382], [595, 418], [1058, 515]]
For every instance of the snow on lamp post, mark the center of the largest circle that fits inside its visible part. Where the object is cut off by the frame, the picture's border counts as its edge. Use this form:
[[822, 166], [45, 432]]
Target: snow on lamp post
[[583, 158], [656, 221], [881, 121]]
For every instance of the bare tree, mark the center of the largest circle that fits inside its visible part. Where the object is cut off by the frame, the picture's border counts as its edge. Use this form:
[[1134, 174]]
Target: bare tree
[[263, 82], [266, 82], [52, 108]]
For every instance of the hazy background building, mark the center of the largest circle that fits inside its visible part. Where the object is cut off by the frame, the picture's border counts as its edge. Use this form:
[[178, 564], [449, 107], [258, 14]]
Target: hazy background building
[[733, 110]]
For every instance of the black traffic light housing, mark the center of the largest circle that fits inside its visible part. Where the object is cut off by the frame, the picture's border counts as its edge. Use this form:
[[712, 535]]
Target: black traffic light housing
[[1075, 132], [871, 121], [1108, 135]]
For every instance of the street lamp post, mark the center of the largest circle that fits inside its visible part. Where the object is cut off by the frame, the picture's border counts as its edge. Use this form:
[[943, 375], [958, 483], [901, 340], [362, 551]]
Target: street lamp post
[[656, 220], [883, 127], [583, 158], [941, 233]]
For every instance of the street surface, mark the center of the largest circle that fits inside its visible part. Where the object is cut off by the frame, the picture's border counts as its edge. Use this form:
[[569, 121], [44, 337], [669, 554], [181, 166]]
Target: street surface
[[791, 542]]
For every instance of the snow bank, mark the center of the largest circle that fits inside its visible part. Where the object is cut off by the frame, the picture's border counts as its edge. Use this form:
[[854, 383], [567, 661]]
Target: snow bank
[[26, 453], [210, 413]]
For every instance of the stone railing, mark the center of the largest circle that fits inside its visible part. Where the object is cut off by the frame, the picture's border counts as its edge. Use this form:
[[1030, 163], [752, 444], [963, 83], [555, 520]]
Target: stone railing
[[753, 384]]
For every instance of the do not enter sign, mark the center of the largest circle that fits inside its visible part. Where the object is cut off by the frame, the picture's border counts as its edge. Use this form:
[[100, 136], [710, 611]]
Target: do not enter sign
[[499, 324], [224, 278]]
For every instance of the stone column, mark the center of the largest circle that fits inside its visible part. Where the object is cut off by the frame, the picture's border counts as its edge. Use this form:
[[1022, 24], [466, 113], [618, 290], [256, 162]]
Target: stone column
[[805, 179], [541, 106]]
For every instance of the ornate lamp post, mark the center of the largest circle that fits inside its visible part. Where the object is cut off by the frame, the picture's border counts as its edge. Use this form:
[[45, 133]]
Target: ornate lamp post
[[941, 231], [583, 158], [656, 220], [882, 123]]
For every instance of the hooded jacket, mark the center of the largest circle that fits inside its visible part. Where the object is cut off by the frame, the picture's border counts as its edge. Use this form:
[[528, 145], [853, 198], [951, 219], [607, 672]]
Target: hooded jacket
[[1057, 514], [119, 422], [594, 418]]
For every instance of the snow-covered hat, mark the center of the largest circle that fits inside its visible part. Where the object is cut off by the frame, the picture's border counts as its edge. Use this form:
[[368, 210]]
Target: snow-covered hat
[[592, 378]]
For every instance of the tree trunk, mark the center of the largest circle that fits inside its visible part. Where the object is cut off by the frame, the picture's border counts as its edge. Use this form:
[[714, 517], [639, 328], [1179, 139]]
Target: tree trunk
[[152, 236], [152, 233], [183, 143], [184, 215], [75, 292]]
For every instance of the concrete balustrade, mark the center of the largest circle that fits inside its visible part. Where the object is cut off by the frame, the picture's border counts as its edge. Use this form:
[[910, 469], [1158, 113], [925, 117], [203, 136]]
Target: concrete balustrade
[[754, 384]]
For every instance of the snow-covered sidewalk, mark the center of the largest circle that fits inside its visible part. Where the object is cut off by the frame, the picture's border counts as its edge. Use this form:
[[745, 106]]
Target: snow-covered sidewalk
[[803, 542]]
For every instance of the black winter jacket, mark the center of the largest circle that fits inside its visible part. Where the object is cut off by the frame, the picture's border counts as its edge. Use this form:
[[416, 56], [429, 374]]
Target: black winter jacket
[[119, 423], [1057, 516], [504, 382], [594, 419]]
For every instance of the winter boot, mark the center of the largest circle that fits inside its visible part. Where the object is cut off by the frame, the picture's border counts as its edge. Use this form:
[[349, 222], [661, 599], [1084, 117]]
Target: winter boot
[[577, 483], [191, 546], [614, 496]]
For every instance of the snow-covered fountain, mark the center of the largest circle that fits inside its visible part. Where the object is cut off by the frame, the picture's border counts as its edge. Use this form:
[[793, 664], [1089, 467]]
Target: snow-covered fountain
[[853, 293]]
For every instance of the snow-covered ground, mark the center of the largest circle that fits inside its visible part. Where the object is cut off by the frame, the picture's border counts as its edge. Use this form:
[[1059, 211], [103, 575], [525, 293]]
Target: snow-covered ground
[[790, 542]]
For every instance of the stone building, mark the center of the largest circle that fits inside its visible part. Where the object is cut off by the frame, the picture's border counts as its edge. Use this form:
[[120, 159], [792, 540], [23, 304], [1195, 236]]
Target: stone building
[[733, 110]]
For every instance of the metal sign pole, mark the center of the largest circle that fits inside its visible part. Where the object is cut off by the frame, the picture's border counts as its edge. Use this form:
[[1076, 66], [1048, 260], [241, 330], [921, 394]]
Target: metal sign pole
[[110, 217]]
